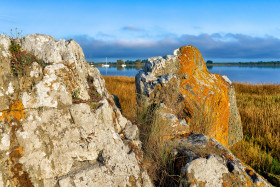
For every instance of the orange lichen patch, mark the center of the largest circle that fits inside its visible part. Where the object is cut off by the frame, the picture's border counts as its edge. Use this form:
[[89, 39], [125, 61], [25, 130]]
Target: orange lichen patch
[[132, 145], [181, 136], [17, 152], [18, 176], [233, 179], [253, 177], [229, 157], [200, 183], [251, 173], [13, 116], [191, 181], [226, 183], [191, 55], [122, 136], [15, 112], [248, 182], [69, 76], [206, 96]]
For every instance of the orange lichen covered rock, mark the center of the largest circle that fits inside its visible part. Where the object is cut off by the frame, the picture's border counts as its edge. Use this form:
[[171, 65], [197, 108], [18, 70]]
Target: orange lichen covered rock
[[187, 98], [205, 100], [206, 95]]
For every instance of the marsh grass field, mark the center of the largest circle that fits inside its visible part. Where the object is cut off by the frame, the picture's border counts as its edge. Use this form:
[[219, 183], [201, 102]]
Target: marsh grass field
[[259, 107]]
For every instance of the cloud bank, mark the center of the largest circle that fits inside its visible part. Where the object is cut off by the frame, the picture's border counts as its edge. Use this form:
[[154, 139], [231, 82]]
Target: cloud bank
[[230, 46]]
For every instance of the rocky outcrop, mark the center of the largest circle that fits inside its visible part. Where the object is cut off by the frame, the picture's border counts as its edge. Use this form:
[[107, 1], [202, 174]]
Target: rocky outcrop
[[202, 161], [183, 83], [187, 98], [58, 124], [197, 160]]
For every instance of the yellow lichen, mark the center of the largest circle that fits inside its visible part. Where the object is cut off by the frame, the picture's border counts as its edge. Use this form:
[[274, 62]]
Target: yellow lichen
[[15, 112], [13, 117], [205, 93]]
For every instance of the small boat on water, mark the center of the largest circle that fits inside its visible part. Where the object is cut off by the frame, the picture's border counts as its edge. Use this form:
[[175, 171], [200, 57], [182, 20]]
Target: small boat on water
[[123, 65], [105, 65]]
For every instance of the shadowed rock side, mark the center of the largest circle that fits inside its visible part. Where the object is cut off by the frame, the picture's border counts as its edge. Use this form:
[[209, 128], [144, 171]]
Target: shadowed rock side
[[183, 83], [58, 124]]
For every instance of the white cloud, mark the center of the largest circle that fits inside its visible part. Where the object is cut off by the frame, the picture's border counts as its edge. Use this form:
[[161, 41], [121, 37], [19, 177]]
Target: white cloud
[[216, 45]]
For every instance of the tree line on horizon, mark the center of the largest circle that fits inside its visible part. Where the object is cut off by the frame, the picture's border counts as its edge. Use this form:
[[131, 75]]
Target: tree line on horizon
[[208, 62], [127, 62]]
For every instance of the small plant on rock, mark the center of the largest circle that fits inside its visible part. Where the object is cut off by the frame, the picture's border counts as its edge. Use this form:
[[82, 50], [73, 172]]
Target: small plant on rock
[[14, 47], [21, 59], [75, 94]]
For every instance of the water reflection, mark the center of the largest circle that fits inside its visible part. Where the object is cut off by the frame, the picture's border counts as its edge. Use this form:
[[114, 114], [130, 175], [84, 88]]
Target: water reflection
[[139, 67], [209, 67], [129, 71], [245, 66], [236, 73], [120, 68]]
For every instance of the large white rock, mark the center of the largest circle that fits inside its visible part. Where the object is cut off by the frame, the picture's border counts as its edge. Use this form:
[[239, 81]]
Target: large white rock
[[208, 170], [203, 161], [59, 125]]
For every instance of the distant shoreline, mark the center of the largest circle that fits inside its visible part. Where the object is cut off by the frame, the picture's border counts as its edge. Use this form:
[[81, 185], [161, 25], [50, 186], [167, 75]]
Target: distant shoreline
[[212, 64], [247, 63], [113, 64]]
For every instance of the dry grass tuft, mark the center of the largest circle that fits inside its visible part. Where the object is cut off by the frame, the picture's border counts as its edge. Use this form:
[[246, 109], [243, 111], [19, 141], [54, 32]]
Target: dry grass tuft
[[153, 130], [201, 120], [154, 133]]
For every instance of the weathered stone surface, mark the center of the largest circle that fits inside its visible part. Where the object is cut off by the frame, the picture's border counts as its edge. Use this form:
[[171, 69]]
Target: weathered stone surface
[[203, 161], [96, 80], [131, 131], [177, 126], [183, 83], [58, 124], [8, 83]]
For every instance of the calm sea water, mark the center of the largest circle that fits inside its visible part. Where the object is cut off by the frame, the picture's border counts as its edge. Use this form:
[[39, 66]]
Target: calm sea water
[[243, 73]]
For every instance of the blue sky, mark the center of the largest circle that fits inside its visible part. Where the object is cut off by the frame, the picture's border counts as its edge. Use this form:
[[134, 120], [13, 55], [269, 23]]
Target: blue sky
[[221, 30]]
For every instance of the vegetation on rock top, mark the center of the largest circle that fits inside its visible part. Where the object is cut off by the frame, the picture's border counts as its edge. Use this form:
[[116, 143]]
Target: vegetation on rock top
[[21, 59]]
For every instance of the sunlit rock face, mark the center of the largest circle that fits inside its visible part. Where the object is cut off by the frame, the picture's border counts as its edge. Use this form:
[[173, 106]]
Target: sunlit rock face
[[188, 98], [58, 124], [183, 83]]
